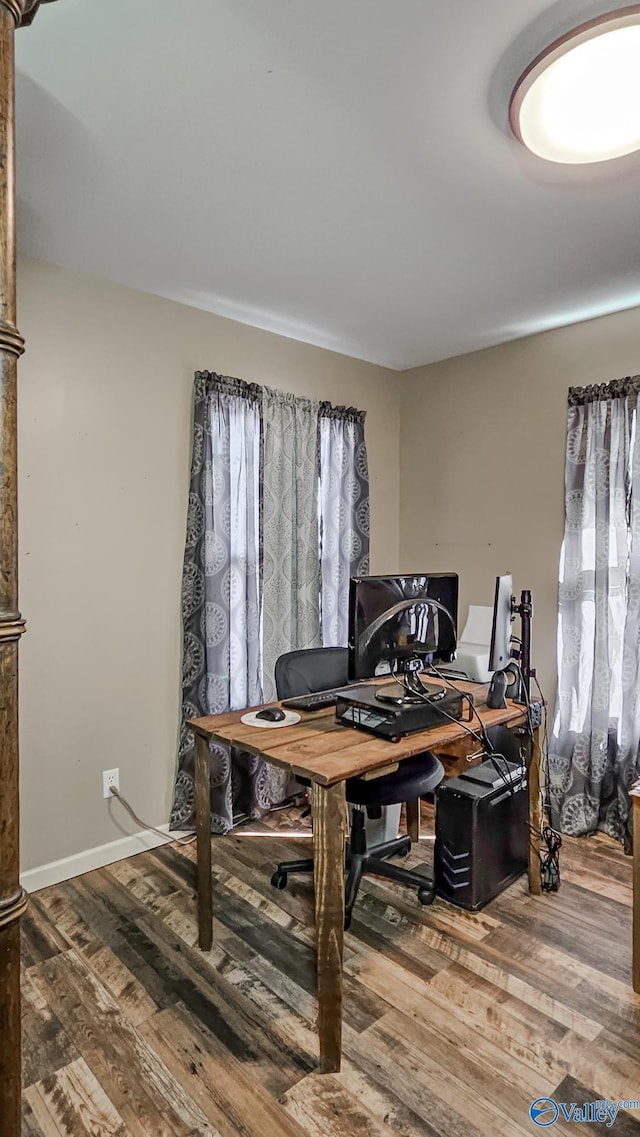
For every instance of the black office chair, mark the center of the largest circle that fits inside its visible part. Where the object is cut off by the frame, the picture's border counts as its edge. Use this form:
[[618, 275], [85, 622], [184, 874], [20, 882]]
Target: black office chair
[[320, 669]]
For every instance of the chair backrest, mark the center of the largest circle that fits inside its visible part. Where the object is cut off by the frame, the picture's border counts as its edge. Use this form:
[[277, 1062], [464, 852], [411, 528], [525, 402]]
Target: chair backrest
[[310, 670]]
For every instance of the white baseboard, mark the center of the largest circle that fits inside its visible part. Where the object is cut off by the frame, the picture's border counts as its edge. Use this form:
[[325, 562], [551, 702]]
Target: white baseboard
[[97, 858]]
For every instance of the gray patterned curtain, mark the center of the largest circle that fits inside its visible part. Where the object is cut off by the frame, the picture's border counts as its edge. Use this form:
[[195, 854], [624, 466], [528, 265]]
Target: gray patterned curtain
[[593, 752], [291, 567], [343, 514], [220, 593]]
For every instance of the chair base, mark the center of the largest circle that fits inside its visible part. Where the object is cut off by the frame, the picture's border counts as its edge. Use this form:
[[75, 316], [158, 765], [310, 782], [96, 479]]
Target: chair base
[[373, 861]]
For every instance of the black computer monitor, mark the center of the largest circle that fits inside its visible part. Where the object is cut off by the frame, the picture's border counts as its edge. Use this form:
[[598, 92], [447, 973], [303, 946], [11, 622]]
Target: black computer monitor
[[500, 650], [414, 631]]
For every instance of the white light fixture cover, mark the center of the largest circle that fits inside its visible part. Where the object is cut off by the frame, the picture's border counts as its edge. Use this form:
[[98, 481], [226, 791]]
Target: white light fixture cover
[[579, 101]]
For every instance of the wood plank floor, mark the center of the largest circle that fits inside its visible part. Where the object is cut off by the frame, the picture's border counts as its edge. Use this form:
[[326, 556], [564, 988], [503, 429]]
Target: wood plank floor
[[454, 1022]]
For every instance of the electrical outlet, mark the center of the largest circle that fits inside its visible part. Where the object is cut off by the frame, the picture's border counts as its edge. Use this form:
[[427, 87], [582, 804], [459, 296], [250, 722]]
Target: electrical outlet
[[110, 778]]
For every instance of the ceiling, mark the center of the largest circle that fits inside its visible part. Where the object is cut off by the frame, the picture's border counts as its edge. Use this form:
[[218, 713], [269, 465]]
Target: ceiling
[[338, 171]]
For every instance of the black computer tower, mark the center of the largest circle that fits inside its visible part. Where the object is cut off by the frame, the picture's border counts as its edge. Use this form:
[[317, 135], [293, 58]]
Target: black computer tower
[[482, 833]]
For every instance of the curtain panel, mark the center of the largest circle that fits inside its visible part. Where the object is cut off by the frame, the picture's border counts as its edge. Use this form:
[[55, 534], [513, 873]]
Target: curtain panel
[[220, 586], [343, 515], [290, 562], [593, 751]]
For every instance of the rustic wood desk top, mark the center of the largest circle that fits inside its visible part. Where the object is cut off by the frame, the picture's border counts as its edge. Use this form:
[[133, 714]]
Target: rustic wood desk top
[[320, 749]]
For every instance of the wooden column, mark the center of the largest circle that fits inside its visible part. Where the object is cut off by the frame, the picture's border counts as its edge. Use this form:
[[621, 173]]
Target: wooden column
[[13, 899]]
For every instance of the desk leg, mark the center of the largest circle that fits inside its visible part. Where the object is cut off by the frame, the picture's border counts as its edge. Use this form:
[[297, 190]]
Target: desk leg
[[203, 846], [329, 811], [535, 817], [635, 910], [413, 820]]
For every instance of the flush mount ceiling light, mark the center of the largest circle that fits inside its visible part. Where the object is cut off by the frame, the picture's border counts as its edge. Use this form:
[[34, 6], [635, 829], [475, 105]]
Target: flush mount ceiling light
[[579, 101]]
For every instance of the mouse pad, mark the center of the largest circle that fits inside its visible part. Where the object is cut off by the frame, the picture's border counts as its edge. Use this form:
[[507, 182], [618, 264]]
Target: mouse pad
[[250, 719]]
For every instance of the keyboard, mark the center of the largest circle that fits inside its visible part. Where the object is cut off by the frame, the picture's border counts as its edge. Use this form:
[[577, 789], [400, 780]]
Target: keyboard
[[318, 701]]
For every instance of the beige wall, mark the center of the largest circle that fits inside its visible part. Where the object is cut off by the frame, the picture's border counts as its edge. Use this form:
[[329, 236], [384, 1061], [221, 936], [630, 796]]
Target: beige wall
[[472, 448], [104, 434], [482, 462]]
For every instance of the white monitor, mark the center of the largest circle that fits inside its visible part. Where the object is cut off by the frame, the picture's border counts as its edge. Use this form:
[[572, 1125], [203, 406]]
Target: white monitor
[[500, 650]]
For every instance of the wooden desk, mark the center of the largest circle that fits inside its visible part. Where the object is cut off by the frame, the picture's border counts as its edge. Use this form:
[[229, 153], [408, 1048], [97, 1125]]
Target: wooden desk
[[319, 749]]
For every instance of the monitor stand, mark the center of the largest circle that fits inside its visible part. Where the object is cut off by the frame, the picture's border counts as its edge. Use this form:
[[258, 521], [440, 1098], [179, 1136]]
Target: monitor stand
[[411, 691]]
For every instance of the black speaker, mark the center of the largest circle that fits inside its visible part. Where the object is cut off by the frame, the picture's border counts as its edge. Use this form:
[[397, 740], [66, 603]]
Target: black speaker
[[482, 833]]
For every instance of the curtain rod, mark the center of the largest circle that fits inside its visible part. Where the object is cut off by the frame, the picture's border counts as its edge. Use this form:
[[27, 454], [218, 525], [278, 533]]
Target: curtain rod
[[601, 392], [209, 381]]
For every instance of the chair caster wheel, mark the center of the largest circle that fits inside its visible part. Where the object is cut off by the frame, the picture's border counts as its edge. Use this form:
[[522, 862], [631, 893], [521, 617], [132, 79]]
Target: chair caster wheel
[[279, 879], [426, 895], [404, 852]]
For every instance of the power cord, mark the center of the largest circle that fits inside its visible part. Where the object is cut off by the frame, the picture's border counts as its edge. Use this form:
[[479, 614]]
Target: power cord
[[550, 858], [143, 824], [398, 676], [523, 687], [489, 748], [545, 750], [468, 698], [482, 738], [550, 861]]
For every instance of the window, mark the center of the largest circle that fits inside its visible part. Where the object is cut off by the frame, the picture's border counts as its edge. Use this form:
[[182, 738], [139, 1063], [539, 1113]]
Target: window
[[278, 522]]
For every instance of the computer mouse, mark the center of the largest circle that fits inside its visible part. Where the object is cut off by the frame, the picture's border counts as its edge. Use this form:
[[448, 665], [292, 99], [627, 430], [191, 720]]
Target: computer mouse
[[271, 714]]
